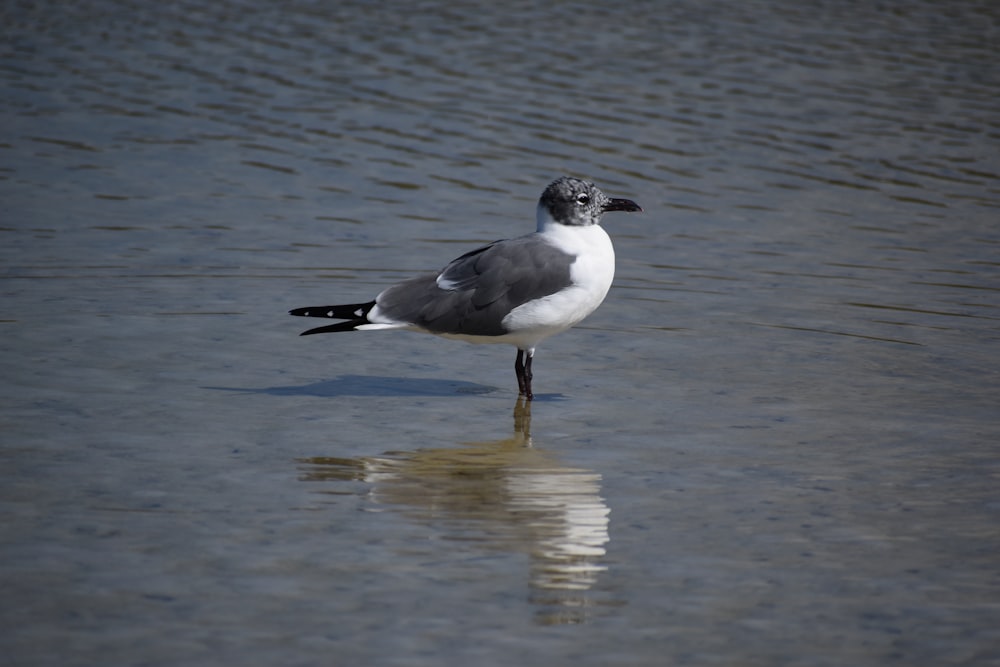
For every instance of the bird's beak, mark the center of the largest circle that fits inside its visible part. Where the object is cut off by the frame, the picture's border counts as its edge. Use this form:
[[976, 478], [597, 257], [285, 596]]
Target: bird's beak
[[626, 205]]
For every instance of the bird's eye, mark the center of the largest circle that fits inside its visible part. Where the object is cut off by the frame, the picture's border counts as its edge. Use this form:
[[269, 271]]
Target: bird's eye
[[583, 198]]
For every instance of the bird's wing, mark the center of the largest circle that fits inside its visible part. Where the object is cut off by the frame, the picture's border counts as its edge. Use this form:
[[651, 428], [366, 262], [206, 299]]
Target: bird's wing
[[476, 291], [518, 270], [462, 273]]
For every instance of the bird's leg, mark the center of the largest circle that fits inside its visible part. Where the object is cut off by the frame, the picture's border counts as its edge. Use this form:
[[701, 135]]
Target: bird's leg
[[523, 371], [527, 376], [519, 371]]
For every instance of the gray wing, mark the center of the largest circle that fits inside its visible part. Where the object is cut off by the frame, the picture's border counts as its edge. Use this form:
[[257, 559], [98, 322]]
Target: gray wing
[[475, 292]]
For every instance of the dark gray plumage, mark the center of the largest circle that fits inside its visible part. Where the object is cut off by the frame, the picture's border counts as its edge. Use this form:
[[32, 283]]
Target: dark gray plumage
[[481, 287]]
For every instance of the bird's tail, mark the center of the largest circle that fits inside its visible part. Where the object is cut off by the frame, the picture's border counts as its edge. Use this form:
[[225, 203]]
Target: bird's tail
[[355, 315]]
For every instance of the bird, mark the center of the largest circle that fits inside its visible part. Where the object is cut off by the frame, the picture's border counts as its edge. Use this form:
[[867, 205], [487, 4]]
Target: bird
[[518, 291]]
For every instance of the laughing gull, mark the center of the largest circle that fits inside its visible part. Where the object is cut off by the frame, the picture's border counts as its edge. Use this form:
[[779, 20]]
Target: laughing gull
[[517, 291]]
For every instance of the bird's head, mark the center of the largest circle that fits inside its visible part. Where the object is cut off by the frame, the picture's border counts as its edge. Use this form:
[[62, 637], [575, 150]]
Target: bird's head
[[575, 202]]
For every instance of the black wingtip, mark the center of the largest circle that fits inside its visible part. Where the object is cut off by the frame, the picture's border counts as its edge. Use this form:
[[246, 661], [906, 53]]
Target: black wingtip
[[334, 328], [345, 311]]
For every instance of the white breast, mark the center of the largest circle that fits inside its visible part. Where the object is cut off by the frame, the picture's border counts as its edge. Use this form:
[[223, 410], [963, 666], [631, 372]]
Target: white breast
[[590, 275]]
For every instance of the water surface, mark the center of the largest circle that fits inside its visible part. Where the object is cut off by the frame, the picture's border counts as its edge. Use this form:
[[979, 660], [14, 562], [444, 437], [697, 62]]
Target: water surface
[[775, 443]]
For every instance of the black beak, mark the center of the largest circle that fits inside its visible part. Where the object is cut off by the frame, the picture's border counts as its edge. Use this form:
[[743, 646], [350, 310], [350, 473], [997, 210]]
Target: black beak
[[626, 205]]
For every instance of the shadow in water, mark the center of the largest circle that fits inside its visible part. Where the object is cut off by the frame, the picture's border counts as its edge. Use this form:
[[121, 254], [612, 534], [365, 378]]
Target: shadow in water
[[372, 385], [506, 494], [375, 385]]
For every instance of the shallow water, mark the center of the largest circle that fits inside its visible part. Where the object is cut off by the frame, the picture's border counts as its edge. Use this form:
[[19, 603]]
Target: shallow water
[[775, 443]]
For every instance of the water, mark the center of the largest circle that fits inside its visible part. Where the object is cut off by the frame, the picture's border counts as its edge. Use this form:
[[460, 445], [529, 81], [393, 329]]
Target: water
[[775, 443]]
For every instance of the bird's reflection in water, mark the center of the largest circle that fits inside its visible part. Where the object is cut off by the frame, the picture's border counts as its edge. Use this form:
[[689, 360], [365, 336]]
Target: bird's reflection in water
[[506, 494]]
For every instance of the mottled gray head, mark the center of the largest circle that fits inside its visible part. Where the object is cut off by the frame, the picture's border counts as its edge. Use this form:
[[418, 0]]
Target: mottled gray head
[[571, 201]]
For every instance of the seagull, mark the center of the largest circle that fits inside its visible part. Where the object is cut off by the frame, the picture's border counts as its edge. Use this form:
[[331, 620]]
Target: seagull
[[517, 291]]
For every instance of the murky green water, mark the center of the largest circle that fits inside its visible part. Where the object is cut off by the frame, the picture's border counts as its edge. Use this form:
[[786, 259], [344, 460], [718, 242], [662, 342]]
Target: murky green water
[[775, 443]]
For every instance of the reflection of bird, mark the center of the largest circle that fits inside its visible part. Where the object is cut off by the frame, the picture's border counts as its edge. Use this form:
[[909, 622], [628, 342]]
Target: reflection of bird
[[518, 291], [506, 494]]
